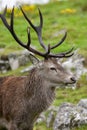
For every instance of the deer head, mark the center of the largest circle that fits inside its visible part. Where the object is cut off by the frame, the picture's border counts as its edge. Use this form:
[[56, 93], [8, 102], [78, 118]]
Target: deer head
[[49, 68]]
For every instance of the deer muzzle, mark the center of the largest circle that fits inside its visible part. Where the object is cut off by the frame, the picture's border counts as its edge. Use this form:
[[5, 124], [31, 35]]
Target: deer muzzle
[[71, 80]]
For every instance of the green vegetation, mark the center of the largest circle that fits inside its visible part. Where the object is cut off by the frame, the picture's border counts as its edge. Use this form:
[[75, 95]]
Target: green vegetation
[[67, 15], [43, 127]]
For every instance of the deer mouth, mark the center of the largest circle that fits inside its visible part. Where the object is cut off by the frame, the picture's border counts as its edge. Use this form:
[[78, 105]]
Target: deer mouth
[[72, 81]]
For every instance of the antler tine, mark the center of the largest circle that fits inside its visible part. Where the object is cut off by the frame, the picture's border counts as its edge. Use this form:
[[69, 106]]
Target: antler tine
[[2, 16], [12, 20], [5, 10], [12, 30], [41, 18], [63, 54], [29, 39], [67, 52], [59, 43], [45, 55], [60, 56], [38, 29]]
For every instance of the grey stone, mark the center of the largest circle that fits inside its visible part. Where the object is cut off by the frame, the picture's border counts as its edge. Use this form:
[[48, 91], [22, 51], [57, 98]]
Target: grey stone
[[69, 116], [27, 69], [42, 118], [83, 103], [4, 66], [50, 119], [75, 63], [3, 69], [2, 49], [23, 60], [13, 61]]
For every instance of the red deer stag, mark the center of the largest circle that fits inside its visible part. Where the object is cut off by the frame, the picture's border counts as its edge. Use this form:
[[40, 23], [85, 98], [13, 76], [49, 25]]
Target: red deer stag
[[22, 99]]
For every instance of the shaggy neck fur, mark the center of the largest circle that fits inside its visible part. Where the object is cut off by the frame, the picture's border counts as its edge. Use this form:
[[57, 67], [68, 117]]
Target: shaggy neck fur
[[38, 91]]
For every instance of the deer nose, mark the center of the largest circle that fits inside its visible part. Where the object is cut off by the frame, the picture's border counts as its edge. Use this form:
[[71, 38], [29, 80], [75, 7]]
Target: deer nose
[[73, 79]]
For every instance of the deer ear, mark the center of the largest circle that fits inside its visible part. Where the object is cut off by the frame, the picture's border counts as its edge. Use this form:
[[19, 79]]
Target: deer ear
[[33, 59]]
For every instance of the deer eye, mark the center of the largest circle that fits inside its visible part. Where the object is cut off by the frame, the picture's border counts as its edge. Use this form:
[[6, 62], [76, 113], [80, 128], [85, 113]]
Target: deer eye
[[52, 68]]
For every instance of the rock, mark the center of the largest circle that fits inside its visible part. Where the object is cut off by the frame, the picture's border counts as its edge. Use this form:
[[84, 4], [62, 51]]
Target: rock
[[3, 70], [75, 63], [66, 116], [18, 59], [83, 103], [85, 61], [50, 119], [69, 116], [4, 66], [13, 61], [42, 118], [27, 69], [52, 110], [4, 57], [2, 49], [24, 58]]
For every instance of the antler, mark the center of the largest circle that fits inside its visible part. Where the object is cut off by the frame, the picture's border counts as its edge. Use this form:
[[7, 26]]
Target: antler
[[11, 29], [38, 30]]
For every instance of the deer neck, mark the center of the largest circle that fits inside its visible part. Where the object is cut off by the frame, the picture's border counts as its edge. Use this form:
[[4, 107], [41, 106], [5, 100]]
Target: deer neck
[[39, 91]]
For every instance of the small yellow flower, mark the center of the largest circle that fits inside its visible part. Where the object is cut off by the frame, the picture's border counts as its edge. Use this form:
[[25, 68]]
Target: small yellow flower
[[17, 12], [68, 11], [28, 8], [32, 7]]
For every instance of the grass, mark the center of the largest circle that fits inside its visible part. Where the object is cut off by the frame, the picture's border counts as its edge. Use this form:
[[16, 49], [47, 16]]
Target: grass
[[76, 26], [43, 127]]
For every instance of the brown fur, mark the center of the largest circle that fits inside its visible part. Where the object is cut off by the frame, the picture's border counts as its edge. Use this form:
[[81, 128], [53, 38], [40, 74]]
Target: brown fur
[[15, 105], [22, 99]]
